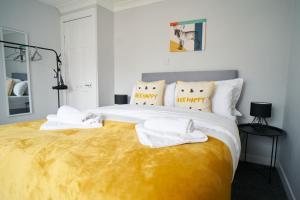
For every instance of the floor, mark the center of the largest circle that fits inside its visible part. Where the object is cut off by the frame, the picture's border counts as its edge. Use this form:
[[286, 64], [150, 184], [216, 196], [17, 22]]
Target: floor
[[251, 182]]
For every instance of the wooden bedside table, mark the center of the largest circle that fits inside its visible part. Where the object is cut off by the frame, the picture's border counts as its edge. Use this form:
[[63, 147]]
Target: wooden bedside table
[[267, 131]]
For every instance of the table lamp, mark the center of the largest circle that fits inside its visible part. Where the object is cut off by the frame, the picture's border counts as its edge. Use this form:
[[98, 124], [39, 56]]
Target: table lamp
[[260, 111]]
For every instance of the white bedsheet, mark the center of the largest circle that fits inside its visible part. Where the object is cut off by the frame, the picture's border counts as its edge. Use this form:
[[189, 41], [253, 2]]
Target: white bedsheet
[[210, 124]]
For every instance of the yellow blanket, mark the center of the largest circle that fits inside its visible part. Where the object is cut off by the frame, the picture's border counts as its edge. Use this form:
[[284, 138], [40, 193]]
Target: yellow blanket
[[108, 163]]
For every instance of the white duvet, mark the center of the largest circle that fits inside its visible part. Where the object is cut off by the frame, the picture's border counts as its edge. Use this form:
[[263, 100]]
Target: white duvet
[[211, 124]]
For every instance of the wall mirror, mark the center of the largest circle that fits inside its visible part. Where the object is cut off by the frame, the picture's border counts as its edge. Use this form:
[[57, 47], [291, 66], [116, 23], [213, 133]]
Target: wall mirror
[[15, 65]]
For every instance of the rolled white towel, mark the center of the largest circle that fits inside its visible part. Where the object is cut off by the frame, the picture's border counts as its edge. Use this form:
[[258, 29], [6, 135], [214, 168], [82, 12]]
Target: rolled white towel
[[93, 119], [55, 123], [171, 125], [88, 116], [68, 114]]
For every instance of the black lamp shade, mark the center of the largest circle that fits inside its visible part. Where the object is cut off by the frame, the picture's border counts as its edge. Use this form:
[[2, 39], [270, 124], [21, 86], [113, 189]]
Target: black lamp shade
[[261, 109], [121, 99]]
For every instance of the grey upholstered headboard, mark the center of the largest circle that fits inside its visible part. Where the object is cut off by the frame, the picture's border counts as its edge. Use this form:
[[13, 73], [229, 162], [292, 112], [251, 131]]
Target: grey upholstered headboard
[[171, 77]]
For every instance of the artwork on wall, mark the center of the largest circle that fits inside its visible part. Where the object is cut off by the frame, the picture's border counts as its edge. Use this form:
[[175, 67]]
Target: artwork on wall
[[188, 35]]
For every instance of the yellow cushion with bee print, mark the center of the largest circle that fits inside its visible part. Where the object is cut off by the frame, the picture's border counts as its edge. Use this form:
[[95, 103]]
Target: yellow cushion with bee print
[[149, 93], [194, 95]]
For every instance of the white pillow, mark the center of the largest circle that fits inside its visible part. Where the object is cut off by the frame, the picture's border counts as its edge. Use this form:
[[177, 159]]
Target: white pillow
[[169, 96], [225, 90], [20, 88], [222, 100]]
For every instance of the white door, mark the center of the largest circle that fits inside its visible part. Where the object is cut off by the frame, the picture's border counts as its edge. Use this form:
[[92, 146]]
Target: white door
[[80, 61]]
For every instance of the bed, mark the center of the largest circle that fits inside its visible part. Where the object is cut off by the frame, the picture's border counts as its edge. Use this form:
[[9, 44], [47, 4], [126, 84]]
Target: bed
[[110, 163]]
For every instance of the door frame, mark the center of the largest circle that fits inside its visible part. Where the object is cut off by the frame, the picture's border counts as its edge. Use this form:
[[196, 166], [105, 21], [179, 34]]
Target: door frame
[[89, 12]]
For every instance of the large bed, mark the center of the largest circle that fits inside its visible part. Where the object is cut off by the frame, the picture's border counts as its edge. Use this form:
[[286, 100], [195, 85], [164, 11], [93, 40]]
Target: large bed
[[110, 163]]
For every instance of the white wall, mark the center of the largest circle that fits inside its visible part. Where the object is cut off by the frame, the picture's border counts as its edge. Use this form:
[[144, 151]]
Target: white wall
[[106, 56], [290, 148], [41, 22], [250, 36]]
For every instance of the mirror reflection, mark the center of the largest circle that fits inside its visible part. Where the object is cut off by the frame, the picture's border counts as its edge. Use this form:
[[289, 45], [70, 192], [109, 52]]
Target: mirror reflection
[[16, 72]]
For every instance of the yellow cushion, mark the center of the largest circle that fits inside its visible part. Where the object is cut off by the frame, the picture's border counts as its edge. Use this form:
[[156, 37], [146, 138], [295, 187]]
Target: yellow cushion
[[194, 95], [9, 86], [149, 93]]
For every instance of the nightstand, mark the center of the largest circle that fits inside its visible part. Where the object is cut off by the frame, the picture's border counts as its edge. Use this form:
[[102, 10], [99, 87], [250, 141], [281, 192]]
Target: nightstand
[[266, 131]]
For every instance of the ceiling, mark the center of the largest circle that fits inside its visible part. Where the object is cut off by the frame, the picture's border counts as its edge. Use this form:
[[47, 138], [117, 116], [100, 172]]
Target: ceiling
[[114, 5]]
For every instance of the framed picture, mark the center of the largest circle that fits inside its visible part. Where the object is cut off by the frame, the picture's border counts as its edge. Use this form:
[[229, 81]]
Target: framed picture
[[188, 35]]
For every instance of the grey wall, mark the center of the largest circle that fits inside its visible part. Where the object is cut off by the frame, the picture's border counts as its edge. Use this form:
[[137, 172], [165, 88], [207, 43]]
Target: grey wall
[[41, 22], [106, 56], [250, 36], [290, 148]]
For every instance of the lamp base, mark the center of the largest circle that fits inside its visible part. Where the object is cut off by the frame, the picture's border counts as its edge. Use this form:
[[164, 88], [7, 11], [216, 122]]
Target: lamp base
[[259, 122]]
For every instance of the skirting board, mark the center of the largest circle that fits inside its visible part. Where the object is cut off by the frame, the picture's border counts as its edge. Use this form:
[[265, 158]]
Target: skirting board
[[285, 182], [266, 161]]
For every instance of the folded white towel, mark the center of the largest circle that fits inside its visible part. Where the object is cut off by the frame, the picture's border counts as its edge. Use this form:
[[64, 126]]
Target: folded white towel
[[156, 139], [172, 125], [52, 117], [68, 117], [88, 118], [54, 125]]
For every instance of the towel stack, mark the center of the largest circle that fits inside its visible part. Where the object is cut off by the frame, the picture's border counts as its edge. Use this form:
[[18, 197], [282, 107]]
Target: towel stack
[[162, 132], [68, 117]]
